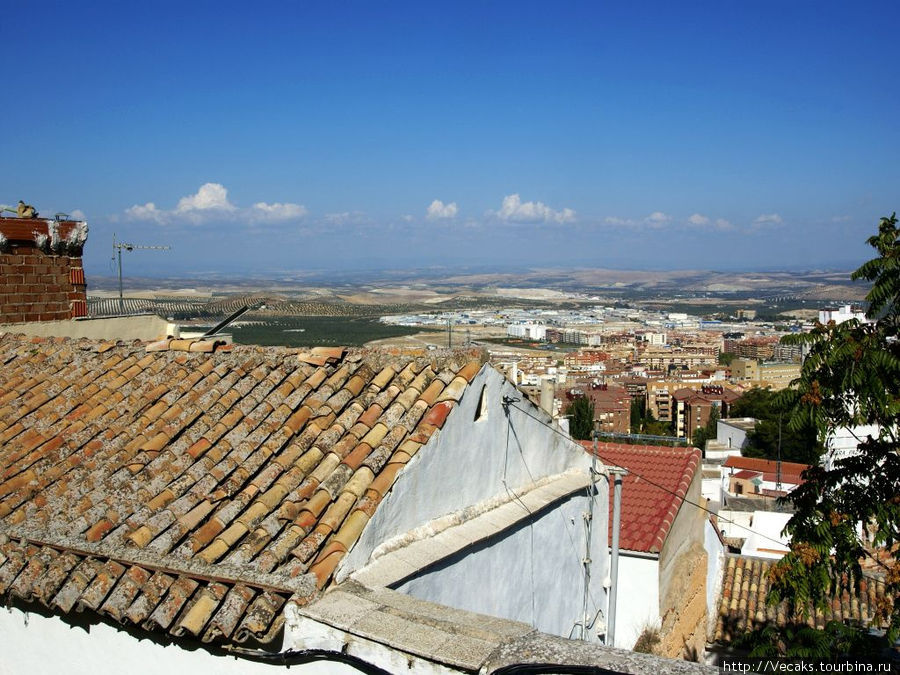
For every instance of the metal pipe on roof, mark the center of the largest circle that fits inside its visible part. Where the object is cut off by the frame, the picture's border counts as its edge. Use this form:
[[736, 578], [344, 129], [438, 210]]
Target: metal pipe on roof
[[616, 472]]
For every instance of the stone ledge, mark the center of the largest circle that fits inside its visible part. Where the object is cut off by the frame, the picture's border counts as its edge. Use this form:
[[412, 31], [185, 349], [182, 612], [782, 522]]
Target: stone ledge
[[387, 628]]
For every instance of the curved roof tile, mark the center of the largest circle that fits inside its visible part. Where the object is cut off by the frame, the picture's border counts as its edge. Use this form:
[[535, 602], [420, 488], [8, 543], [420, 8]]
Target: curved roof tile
[[192, 489]]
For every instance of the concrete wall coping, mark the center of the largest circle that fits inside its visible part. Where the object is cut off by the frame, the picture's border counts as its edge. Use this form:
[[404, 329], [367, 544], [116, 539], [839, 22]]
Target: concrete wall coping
[[376, 623]]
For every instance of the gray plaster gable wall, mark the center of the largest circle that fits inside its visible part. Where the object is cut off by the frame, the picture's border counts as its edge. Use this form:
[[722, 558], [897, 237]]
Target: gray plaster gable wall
[[530, 573], [469, 461]]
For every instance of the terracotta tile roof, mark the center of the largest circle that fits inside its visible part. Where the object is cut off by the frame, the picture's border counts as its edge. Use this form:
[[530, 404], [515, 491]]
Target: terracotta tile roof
[[743, 607], [197, 492], [790, 471], [652, 493]]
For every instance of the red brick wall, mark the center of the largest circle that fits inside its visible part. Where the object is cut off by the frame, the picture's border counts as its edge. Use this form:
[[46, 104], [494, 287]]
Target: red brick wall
[[39, 284]]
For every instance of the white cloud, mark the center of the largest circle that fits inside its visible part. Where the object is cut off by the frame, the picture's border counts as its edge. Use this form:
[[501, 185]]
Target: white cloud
[[211, 203], [277, 212], [699, 220], [147, 211], [438, 210], [77, 214], [346, 218], [613, 220], [768, 219], [514, 210], [657, 219], [210, 197]]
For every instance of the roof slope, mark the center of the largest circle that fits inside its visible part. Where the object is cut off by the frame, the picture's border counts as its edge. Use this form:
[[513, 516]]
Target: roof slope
[[196, 492], [743, 608], [790, 471], [652, 492]]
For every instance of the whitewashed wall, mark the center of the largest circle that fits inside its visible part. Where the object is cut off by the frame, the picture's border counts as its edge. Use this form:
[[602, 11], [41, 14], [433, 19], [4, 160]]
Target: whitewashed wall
[[637, 603], [715, 554], [530, 573], [468, 462], [31, 643]]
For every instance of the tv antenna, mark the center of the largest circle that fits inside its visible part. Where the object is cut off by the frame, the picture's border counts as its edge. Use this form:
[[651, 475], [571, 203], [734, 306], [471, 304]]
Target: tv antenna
[[117, 254]]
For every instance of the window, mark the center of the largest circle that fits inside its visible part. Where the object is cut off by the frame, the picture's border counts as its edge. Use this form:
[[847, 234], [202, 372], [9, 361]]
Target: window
[[481, 409]]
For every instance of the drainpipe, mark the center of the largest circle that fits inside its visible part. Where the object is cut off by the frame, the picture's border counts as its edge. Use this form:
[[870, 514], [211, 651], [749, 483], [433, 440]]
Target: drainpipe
[[616, 472]]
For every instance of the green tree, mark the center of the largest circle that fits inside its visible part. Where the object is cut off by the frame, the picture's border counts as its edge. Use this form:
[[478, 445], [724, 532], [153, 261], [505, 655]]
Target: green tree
[[706, 432], [851, 377], [799, 444], [725, 358], [638, 413], [581, 424]]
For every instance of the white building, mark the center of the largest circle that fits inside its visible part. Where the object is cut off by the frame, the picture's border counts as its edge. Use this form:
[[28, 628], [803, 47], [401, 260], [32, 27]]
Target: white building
[[841, 314]]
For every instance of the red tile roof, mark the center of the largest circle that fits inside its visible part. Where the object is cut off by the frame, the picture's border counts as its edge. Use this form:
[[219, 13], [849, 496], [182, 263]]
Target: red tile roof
[[652, 492], [197, 492], [790, 471]]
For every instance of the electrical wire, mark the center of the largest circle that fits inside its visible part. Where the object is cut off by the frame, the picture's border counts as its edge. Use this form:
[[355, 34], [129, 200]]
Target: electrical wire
[[657, 485], [507, 403]]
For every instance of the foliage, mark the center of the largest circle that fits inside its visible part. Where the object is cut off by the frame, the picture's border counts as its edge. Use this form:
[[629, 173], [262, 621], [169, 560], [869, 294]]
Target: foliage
[[581, 424], [797, 444], [851, 377], [705, 433], [725, 358], [303, 331], [643, 421], [801, 641]]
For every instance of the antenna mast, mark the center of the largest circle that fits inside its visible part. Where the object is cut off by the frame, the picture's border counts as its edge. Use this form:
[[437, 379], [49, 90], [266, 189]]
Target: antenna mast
[[117, 254]]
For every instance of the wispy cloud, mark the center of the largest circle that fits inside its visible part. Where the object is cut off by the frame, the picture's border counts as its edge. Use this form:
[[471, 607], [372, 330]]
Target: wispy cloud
[[514, 210], [621, 222], [705, 222], [346, 218], [723, 224], [438, 210], [211, 203], [768, 219], [658, 219], [276, 213], [699, 220]]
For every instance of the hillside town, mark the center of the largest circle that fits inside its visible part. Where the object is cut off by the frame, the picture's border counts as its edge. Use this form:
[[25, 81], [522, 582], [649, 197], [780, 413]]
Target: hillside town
[[206, 492], [450, 338]]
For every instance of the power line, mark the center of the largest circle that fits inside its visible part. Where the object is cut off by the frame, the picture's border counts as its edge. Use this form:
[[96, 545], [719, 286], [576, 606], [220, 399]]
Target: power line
[[675, 494], [653, 483]]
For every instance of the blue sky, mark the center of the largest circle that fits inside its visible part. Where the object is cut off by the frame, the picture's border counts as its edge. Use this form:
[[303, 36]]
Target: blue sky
[[265, 137]]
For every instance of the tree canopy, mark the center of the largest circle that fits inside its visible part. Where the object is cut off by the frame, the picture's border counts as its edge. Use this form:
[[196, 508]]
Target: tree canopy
[[798, 444], [581, 425], [851, 513]]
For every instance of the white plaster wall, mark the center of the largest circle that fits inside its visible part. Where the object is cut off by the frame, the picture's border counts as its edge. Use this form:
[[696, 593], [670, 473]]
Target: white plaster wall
[[711, 489], [467, 462], [530, 573], [32, 643], [843, 442], [735, 523], [637, 602], [732, 436], [715, 557]]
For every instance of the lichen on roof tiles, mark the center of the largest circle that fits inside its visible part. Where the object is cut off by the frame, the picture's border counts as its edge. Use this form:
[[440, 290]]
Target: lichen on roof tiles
[[743, 605], [139, 464]]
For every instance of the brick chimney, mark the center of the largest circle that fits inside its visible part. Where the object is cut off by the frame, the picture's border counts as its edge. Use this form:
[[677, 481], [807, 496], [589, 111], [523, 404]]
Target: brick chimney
[[41, 276]]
